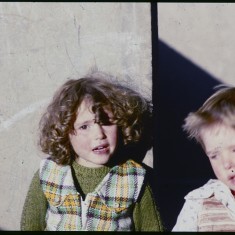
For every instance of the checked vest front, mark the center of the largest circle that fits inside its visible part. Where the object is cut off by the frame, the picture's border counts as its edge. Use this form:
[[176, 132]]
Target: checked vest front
[[108, 208]]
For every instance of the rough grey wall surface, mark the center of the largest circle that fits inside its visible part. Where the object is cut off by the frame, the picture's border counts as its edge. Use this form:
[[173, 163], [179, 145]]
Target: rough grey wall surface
[[203, 32], [42, 44]]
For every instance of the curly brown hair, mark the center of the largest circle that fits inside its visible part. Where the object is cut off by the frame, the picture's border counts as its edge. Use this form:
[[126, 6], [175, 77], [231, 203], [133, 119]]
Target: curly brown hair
[[131, 112]]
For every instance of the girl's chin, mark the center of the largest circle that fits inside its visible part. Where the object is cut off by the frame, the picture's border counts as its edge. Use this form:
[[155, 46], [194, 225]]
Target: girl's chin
[[93, 164]]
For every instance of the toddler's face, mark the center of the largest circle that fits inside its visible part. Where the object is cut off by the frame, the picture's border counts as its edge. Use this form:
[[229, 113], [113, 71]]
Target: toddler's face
[[219, 144], [93, 143]]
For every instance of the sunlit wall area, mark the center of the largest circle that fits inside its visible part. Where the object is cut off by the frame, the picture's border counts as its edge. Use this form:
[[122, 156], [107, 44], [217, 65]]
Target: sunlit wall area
[[202, 32], [42, 45]]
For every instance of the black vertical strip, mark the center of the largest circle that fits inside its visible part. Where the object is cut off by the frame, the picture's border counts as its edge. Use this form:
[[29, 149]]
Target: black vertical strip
[[155, 184], [156, 180], [154, 30]]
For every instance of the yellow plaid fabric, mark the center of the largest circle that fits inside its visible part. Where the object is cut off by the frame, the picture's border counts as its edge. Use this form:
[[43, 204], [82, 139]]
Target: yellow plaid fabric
[[108, 208]]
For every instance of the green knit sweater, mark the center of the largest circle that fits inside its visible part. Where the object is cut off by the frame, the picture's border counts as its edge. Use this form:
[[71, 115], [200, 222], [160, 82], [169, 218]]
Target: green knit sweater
[[145, 215]]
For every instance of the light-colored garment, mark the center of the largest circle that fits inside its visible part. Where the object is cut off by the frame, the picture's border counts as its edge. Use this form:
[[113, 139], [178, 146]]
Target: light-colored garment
[[189, 218], [107, 208], [215, 217]]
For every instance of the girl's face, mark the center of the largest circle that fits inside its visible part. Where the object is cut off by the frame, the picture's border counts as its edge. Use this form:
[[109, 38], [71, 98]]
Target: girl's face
[[219, 145], [93, 143]]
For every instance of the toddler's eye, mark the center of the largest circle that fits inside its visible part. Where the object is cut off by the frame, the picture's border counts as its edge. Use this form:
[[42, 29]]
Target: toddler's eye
[[212, 157]]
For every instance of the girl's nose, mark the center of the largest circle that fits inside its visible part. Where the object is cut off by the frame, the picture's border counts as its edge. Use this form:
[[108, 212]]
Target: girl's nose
[[98, 131]]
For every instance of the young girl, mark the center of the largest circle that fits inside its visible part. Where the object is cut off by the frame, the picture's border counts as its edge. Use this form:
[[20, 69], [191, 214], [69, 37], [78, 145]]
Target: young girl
[[90, 181], [212, 206]]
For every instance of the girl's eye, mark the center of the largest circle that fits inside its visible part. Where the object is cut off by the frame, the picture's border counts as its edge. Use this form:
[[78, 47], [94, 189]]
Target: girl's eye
[[83, 127]]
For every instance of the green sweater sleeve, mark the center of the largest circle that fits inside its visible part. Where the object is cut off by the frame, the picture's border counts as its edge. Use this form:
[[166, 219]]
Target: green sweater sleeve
[[35, 207], [146, 215]]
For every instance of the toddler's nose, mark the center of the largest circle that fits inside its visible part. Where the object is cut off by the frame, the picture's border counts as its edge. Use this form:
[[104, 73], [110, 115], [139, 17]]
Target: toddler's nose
[[227, 163]]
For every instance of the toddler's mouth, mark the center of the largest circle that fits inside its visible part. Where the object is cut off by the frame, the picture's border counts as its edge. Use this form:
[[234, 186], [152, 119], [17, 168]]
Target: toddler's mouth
[[232, 179]]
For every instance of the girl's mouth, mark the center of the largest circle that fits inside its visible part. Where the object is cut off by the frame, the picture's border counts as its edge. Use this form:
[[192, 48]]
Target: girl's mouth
[[101, 149]]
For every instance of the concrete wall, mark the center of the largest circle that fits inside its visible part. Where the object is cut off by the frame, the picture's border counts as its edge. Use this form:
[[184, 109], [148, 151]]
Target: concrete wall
[[202, 32], [196, 52], [42, 44]]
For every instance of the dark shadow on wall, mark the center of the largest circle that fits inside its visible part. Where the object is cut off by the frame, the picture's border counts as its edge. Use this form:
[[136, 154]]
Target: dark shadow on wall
[[180, 164]]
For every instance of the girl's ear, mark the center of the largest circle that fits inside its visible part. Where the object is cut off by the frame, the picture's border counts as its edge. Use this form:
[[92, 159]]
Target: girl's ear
[[71, 133]]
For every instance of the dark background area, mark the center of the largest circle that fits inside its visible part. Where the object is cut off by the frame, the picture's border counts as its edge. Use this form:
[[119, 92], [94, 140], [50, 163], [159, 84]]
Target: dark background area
[[179, 87], [180, 164]]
